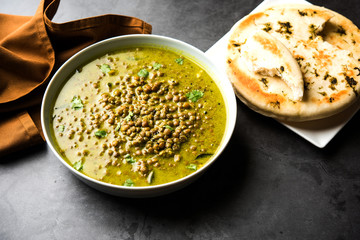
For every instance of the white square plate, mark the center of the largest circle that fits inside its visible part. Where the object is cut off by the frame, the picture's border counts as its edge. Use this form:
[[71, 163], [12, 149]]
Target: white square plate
[[318, 132]]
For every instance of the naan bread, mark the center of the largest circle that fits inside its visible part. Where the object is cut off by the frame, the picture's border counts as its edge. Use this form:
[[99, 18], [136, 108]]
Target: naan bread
[[325, 47], [261, 47]]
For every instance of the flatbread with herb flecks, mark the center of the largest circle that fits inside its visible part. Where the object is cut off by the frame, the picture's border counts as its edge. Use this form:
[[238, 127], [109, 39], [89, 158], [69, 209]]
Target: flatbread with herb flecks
[[326, 48]]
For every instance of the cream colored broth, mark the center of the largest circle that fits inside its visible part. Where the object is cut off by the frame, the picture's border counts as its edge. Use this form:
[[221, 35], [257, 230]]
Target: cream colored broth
[[139, 117]]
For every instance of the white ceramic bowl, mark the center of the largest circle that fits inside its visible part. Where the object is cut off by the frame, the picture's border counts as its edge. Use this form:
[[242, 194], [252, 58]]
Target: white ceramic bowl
[[108, 45]]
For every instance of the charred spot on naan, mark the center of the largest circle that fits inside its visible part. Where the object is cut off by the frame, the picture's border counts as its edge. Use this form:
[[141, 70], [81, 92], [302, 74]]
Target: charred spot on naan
[[268, 45]]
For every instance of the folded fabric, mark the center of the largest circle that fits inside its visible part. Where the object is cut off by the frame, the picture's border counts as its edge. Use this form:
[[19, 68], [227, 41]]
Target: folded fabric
[[31, 50]]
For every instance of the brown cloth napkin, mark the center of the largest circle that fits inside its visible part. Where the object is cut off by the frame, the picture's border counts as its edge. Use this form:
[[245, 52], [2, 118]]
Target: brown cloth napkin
[[31, 50]]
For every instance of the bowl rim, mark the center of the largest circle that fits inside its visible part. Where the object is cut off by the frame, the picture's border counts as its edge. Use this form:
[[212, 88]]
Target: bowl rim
[[157, 40]]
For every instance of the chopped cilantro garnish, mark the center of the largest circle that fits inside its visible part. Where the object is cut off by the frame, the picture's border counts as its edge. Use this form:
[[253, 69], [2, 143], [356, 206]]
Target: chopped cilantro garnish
[[78, 165], [129, 158], [341, 31], [100, 133], [76, 103], [105, 68], [267, 27], [179, 61], [129, 183], [118, 127], [264, 81], [194, 95], [143, 73], [285, 27], [169, 127], [129, 116], [192, 167], [157, 66], [61, 128]]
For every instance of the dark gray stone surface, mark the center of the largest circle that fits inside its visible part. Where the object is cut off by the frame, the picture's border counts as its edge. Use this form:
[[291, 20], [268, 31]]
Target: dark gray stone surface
[[268, 184]]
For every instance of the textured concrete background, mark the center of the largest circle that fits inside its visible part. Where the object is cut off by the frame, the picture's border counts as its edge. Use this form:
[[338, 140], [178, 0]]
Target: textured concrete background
[[268, 184]]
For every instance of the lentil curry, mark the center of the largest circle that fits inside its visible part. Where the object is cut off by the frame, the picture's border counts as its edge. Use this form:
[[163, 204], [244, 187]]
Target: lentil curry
[[139, 117]]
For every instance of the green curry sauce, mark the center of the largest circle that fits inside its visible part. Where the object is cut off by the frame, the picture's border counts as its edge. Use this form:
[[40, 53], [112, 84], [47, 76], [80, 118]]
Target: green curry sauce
[[139, 117]]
